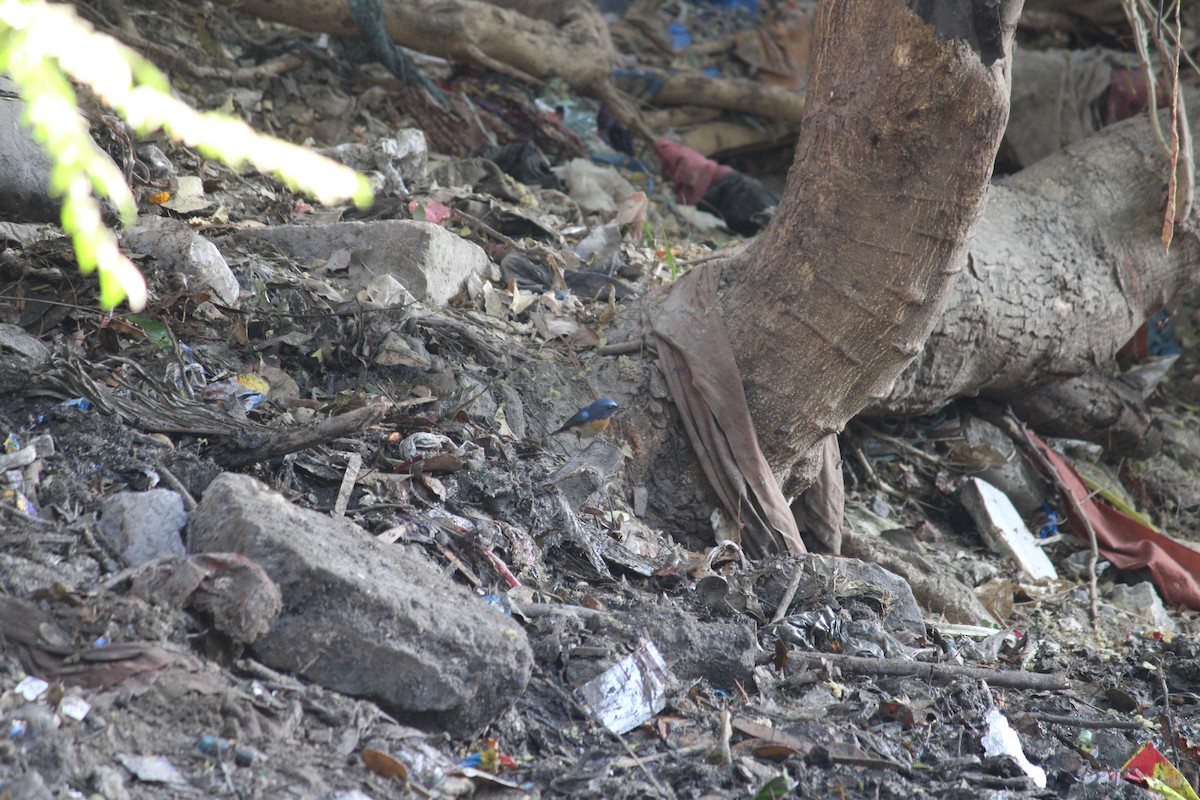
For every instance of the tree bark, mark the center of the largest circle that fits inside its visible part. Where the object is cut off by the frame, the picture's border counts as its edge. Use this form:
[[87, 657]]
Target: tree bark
[[827, 307], [891, 171], [1065, 266]]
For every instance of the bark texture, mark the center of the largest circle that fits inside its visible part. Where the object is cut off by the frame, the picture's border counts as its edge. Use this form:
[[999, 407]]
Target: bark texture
[[1065, 265], [891, 171]]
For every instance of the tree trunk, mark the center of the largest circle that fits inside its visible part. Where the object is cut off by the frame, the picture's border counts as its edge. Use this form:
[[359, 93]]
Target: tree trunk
[[1065, 266], [827, 307], [891, 171]]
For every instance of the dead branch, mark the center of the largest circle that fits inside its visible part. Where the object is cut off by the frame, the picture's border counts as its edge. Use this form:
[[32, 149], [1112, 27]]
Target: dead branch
[[280, 443], [1008, 678], [569, 41]]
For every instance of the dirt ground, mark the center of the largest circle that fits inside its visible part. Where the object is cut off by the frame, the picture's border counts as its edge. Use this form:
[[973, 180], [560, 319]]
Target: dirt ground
[[768, 698]]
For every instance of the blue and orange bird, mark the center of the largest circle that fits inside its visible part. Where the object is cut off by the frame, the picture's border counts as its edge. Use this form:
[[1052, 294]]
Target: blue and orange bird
[[591, 419]]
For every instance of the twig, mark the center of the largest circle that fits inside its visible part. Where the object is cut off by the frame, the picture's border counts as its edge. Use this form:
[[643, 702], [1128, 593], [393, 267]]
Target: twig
[[121, 14], [679, 752], [294, 440], [354, 464], [896, 441], [1168, 717], [534, 610], [634, 345], [16, 512], [501, 567], [288, 62], [859, 665], [1140, 36], [789, 595], [540, 249], [1097, 723], [168, 477], [726, 734], [727, 252], [1016, 428], [872, 476]]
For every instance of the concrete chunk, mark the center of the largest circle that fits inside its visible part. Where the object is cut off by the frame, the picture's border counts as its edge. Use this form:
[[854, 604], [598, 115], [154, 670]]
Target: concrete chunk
[[430, 261], [366, 619]]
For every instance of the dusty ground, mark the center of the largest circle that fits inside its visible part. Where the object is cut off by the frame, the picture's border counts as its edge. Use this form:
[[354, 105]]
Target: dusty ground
[[231, 727]]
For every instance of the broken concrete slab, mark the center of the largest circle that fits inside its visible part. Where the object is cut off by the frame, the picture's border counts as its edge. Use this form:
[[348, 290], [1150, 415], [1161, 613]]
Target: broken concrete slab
[[1001, 526], [366, 619], [430, 261]]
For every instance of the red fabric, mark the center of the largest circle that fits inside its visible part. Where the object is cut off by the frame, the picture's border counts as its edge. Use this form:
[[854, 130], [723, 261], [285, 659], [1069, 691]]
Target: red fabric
[[689, 172], [1129, 95], [1127, 543]]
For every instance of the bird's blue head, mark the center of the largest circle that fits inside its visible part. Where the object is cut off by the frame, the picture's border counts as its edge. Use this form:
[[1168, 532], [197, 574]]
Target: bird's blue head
[[602, 408]]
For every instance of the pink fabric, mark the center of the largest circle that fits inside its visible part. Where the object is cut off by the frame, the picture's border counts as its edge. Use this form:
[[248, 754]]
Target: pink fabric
[[689, 172]]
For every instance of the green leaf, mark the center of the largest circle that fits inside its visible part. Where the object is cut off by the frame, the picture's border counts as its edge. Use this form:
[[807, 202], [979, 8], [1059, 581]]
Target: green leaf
[[155, 331], [779, 786]]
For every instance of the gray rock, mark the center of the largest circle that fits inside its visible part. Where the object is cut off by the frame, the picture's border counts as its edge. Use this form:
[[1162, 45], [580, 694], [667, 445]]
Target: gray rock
[[849, 576], [586, 472], [142, 526], [903, 613], [1142, 601], [366, 619], [177, 247], [108, 782], [29, 786], [430, 261], [1016, 477], [24, 167], [16, 339]]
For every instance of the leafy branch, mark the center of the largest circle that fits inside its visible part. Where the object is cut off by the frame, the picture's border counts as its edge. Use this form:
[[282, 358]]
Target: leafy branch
[[42, 46]]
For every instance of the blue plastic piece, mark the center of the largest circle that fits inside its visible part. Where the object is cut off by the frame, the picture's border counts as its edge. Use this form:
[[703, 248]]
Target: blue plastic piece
[[750, 5], [1161, 338], [1052, 521], [680, 36]]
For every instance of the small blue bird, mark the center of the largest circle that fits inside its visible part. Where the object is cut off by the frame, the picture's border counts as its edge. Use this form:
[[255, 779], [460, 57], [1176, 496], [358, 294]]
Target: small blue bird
[[591, 419]]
